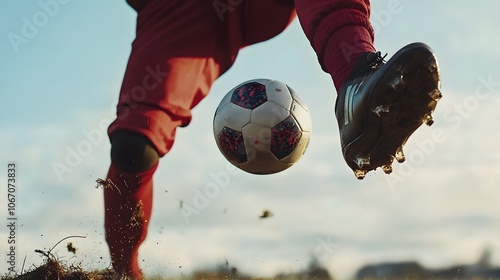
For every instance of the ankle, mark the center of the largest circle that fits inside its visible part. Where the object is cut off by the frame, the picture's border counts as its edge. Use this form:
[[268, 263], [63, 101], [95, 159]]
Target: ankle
[[343, 49]]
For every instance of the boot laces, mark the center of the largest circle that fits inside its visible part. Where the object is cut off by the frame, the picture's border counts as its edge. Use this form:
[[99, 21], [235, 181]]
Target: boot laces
[[373, 62]]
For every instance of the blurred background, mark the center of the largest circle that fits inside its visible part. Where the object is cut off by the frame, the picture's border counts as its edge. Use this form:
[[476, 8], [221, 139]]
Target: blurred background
[[59, 85]]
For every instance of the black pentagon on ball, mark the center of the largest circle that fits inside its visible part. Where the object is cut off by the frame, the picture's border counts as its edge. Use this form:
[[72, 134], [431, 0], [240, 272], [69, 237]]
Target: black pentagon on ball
[[249, 95], [232, 145], [285, 136]]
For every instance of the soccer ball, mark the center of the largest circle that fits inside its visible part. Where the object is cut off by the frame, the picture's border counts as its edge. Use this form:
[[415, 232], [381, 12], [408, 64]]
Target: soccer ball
[[262, 127]]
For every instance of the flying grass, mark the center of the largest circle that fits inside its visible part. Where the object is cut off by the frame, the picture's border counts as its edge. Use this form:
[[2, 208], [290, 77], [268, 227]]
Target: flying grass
[[54, 268]]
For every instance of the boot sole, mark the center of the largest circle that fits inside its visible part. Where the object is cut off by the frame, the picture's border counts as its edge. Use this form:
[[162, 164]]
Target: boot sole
[[410, 90]]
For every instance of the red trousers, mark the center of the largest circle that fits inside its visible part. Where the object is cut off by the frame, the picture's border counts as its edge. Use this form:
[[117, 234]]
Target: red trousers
[[183, 46]]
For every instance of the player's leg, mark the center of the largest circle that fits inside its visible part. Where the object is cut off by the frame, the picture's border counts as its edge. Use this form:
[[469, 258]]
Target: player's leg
[[175, 58], [339, 31], [266, 18], [379, 104], [128, 199], [181, 47]]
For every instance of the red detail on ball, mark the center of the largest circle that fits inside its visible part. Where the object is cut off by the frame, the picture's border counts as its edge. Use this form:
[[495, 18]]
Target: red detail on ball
[[232, 145], [250, 95], [285, 137]]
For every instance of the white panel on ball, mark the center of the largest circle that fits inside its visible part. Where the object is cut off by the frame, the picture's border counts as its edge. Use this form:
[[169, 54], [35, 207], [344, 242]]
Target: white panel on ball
[[301, 115], [268, 114], [232, 116], [278, 93]]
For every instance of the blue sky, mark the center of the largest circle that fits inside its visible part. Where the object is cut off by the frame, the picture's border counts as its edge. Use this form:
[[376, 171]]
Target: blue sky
[[439, 208]]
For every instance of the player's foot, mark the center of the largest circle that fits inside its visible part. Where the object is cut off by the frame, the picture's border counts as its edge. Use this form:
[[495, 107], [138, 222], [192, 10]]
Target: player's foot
[[382, 103]]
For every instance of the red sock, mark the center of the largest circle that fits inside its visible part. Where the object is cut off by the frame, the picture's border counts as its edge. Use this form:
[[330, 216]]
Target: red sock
[[343, 48], [128, 203]]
